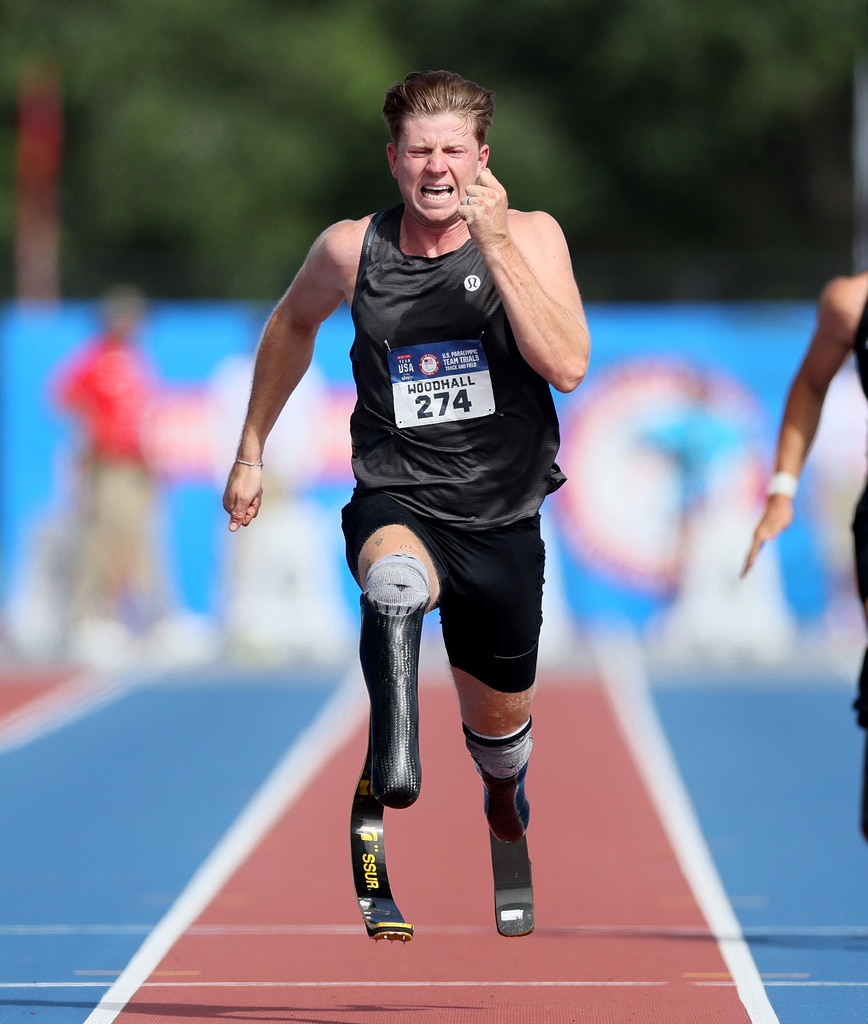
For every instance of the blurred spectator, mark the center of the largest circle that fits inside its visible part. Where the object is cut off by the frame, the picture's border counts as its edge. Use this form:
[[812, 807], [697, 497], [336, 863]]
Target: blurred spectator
[[706, 437], [118, 587]]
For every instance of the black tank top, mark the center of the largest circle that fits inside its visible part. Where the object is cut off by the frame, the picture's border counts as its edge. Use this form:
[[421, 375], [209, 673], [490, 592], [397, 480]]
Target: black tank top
[[449, 420]]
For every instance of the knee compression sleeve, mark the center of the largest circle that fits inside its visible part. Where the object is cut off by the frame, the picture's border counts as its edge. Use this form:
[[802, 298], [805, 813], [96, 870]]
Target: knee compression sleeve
[[397, 585], [502, 763], [501, 756]]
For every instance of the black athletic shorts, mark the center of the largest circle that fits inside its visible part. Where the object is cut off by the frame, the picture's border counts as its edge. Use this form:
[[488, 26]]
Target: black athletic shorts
[[491, 584]]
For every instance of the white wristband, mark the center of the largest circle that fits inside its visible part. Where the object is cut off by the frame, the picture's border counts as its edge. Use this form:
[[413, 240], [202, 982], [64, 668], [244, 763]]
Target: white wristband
[[783, 483]]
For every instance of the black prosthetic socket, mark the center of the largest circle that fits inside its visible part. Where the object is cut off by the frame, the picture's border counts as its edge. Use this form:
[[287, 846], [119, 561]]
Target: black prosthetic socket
[[389, 655]]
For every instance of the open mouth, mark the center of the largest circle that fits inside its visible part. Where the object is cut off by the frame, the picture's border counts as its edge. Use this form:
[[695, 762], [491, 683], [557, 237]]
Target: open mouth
[[437, 191]]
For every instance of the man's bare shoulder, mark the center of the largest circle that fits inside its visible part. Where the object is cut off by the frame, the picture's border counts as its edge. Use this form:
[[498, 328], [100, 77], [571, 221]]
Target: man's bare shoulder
[[840, 307], [532, 220], [346, 234], [328, 274], [341, 242], [537, 232], [333, 258]]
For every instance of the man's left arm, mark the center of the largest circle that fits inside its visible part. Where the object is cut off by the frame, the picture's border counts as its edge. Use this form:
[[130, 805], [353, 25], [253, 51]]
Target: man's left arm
[[528, 259]]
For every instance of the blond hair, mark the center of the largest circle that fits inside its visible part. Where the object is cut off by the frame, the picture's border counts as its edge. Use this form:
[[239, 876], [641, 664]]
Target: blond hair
[[425, 93]]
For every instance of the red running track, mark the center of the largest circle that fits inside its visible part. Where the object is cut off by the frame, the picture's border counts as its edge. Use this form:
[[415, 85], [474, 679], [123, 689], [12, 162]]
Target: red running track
[[619, 937], [19, 690]]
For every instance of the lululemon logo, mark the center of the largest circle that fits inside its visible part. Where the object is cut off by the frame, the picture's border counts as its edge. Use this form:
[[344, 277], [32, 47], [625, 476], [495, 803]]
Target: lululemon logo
[[472, 283]]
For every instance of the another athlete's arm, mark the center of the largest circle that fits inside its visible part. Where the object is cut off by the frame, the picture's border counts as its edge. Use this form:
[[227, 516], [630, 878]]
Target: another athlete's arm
[[838, 313]]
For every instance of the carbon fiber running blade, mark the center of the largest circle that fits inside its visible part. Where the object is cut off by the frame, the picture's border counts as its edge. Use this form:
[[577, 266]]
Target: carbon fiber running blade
[[383, 919], [513, 887]]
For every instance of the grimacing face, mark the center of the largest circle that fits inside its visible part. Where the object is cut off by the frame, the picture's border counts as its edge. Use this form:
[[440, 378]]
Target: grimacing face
[[433, 161]]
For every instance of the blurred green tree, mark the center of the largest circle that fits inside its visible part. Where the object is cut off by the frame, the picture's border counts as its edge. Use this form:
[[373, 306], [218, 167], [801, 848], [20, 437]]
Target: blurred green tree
[[207, 143]]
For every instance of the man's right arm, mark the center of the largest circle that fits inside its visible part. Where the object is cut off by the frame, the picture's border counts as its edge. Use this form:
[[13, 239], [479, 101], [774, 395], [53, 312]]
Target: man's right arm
[[325, 280]]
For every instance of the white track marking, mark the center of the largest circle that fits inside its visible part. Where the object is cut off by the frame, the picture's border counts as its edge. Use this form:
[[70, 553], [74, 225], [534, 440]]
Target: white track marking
[[566, 930], [62, 704], [621, 667], [335, 722]]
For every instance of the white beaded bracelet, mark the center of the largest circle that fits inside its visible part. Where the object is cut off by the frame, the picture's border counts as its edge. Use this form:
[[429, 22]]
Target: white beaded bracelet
[[256, 465], [783, 483]]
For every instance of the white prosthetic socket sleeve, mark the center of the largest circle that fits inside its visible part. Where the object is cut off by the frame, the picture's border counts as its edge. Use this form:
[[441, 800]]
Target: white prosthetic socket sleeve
[[397, 585]]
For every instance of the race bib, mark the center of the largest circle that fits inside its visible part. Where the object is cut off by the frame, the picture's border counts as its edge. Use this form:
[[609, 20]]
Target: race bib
[[448, 380]]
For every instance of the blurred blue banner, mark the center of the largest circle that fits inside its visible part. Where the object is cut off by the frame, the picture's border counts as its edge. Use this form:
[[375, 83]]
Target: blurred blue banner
[[667, 447]]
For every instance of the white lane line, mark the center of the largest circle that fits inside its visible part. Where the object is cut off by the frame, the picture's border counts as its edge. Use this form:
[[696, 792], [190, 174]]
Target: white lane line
[[560, 931], [290, 930], [621, 667], [62, 704], [334, 724]]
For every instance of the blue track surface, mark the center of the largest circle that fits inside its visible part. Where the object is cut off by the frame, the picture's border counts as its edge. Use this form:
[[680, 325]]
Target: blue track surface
[[773, 771], [106, 820]]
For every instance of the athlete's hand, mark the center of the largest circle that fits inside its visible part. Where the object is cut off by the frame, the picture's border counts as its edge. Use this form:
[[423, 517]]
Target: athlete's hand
[[243, 495], [776, 518], [486, 211]]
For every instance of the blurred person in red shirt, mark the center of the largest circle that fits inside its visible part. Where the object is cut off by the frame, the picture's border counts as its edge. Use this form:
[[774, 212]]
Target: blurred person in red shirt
[[107, 387]]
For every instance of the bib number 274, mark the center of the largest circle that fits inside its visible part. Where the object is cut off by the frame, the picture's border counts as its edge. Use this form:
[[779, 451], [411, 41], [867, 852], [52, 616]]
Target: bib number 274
[[438, 405]]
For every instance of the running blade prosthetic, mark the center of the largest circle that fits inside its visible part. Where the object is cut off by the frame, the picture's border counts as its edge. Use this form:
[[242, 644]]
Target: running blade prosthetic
[[513, 887], [383, 919]]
